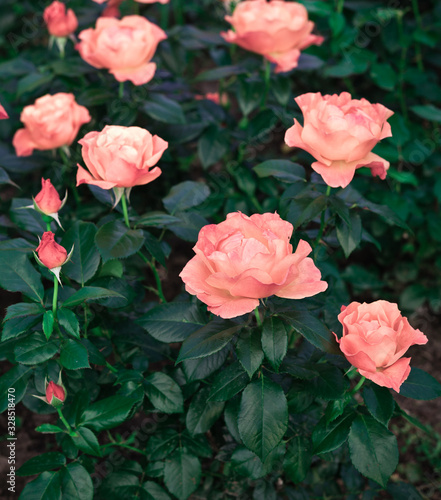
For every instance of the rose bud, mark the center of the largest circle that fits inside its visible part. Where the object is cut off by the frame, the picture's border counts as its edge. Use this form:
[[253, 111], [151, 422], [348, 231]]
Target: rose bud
[[51, 254], [55, 394], [244, 259], [61, 22], [123, 46], [340, 133], [3, 114], [48, 201], [53, 121], [375, 337], [277, 30]]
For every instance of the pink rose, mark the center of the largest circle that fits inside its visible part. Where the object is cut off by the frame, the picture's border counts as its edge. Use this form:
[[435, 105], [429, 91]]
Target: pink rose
[[3, 114], [212, 96], [60, 22], [50, 253], [52, 122], [120, 157], [277, 30], [340, 133], [55, 394], [48, 200], [124, 46], [244, 259], [375, 337]]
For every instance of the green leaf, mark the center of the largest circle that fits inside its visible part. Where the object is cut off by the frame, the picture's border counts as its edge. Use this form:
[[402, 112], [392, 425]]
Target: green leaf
[[208, 340], [249, 351], [420, 385], [76, 483], [116, 241], [47, 486], [154, 491], [48, 324], [220, 72], [186, 195], [35, 349], [16, 378], [303, 210], [49, 429], [202, 413], [246, 463], [69, 321], [108, 412], [16, 326], [263, 416], [41, 463], [330, 382], [379, 402], [18, 275], [329, 436], [198, 369], [88, 293], [23, 309], [274, 340], [384, 76], [228, 382], [162, 443], [298, 458], [156, 219], [313, 330], [155, 248], [212, 146], [172, 322], [428, 112], [349, 236], [85, 257], [374, 449], [284, 170], [182, 474], [73, 355], [164, 393], [164, 109]]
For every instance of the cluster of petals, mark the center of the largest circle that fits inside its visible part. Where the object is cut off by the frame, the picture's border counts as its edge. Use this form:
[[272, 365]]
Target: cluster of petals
[[375, 338], [123, 46], [277, 30], [340, 133], [60, 22], [244, 259], [53, 121]]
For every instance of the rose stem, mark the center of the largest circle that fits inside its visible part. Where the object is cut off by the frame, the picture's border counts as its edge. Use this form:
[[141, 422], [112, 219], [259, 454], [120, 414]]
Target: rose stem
[[48, 226], [164, 16], [121, 90], [357, 387], [322, 221], [340, 4], [259, 321], [125, 211], [267, 78], [155, 274], [55, 298], [419, 21], [68, 427]]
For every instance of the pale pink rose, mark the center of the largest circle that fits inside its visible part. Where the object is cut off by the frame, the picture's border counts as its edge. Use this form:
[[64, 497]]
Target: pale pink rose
[[277, 30], [3, 114], [340, 133], [120, 157], [50, 253], [48, 200], [123, 46], [244, 259], [60, 21], [375, 337], [51, 122]]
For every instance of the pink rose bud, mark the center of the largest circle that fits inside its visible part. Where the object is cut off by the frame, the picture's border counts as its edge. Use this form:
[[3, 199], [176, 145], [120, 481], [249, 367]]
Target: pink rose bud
[[277, 30], [55, 394], [120, 157], [153, 1], [50, 253], [123, 46], [3, 114], [375, 338], [244, 259], [52, 122], [47, 200], [340, 133], [60, 22]]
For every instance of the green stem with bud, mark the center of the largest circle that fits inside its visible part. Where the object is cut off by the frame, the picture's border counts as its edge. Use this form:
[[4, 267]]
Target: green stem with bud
[[55, 298], [71, 432]]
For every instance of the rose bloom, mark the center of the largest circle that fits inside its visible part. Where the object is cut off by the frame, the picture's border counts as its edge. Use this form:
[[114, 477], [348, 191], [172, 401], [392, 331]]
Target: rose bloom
[[244, 259], [55, 390], [50, 253], [3, 114], [120, 157], [124, 46], [340, 133], [277, 30], [375, 337], [47, 200], [60, 21], [52, 122]]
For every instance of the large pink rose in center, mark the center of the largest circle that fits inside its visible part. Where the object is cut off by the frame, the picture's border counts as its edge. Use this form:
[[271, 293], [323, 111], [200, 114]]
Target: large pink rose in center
[[244, 259]]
